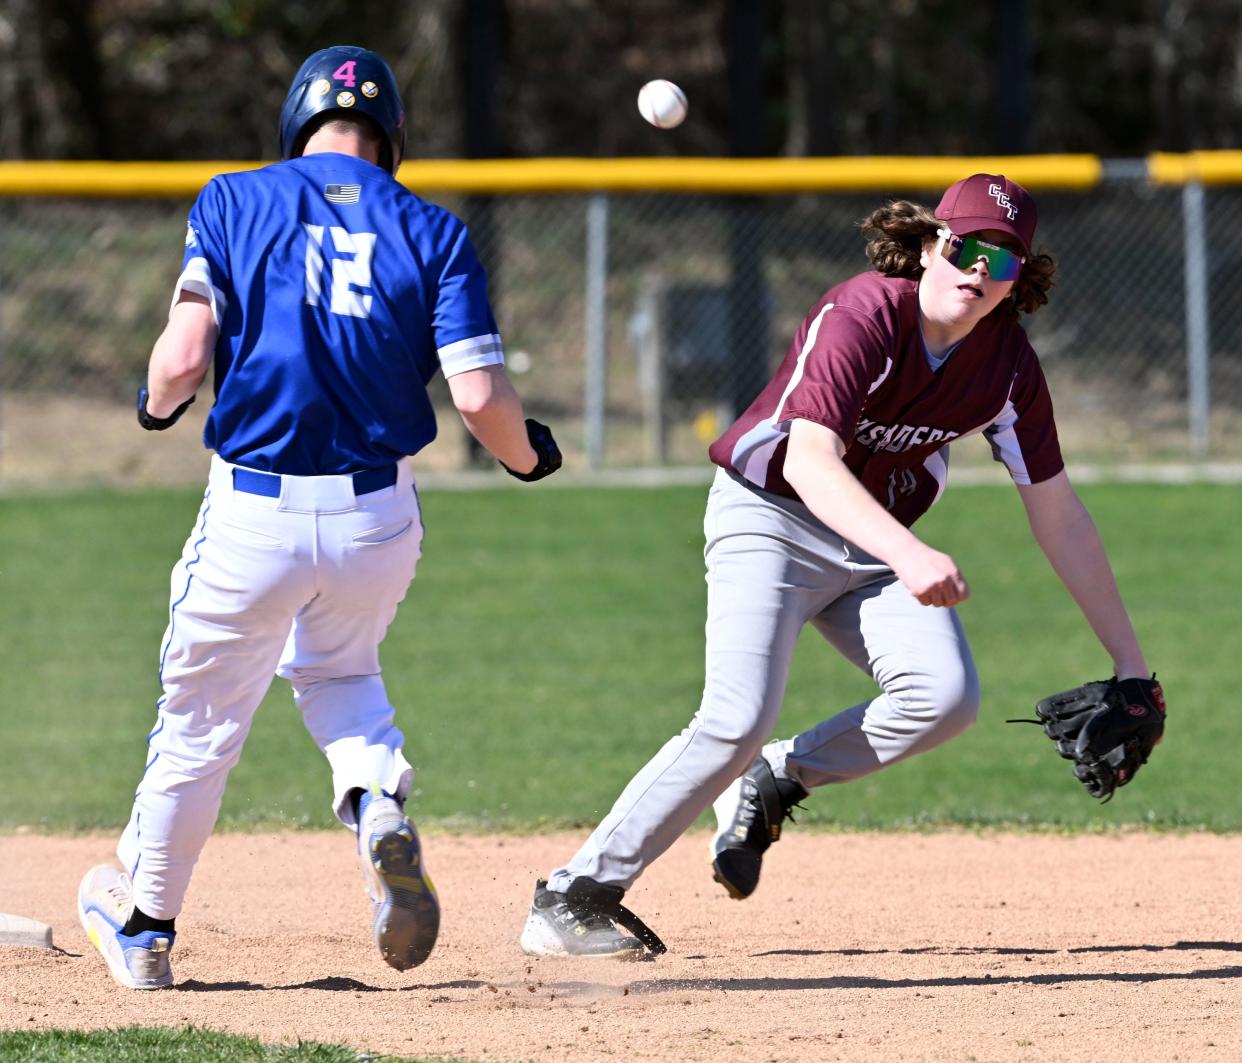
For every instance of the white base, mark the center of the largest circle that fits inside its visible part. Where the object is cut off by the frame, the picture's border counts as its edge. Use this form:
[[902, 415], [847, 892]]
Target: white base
[[19, 930]]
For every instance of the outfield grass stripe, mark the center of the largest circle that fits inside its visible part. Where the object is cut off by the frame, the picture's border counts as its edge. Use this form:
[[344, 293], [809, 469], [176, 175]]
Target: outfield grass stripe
[[553, 640]]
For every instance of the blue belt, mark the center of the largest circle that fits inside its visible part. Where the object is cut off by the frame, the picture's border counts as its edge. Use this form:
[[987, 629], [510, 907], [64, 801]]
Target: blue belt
[[254, 482]]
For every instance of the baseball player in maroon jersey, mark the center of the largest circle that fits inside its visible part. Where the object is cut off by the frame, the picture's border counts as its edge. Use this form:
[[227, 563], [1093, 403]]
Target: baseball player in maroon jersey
[[809, 521]]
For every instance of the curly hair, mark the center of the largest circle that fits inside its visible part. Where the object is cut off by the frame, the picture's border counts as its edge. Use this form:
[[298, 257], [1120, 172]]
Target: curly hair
[[897, 232]]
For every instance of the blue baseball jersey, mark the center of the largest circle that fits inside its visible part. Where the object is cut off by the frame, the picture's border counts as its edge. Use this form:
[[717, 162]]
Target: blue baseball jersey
[[338, 294]]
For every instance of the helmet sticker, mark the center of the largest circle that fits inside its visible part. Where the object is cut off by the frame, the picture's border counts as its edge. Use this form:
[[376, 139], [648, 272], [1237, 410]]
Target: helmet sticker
[[370, 90], [344, 99], [321, 87], [345, 73]]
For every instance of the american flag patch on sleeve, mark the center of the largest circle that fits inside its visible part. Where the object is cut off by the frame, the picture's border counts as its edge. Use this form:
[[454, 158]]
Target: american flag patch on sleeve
[[342, 193]]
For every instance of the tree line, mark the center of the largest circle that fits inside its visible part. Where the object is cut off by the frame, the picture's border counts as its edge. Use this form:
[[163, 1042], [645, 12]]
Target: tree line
[[204, 79]]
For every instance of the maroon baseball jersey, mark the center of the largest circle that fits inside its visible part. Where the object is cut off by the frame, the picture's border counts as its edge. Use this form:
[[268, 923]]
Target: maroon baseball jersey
[[858, 366]]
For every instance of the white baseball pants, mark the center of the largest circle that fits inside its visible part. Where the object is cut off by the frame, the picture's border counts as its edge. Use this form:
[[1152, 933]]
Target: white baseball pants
[[302, 584], [772, 567]]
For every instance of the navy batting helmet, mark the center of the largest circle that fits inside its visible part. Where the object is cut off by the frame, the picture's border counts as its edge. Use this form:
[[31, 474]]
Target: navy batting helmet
[[347, 80]]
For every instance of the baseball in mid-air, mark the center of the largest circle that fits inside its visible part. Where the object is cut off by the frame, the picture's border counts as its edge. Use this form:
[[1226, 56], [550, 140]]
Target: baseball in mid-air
[[662, 103]]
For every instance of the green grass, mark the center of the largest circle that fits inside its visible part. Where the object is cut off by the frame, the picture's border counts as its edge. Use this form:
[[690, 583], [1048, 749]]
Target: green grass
[[552, 641], [133, 1044]]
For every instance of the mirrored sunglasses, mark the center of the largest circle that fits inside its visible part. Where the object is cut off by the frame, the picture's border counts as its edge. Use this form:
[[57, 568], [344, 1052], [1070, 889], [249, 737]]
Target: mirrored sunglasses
[[964, 251]]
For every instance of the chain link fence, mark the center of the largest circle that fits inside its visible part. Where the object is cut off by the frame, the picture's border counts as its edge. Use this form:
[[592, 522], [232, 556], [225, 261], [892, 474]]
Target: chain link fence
[[639, 324]]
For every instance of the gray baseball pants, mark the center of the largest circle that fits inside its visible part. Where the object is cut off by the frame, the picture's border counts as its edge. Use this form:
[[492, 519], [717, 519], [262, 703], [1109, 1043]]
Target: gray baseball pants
[[771, 568]]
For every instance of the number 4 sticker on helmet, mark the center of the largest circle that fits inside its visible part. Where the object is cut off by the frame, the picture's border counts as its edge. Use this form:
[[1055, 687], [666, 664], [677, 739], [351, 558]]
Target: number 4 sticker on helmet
[[345, 73]]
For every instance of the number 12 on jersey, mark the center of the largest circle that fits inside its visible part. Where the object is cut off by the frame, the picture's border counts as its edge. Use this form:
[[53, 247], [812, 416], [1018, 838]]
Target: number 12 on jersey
[[348, 274]]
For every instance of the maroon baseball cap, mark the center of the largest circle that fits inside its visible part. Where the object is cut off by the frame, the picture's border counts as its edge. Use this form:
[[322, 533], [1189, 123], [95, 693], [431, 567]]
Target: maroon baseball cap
[[989, 201]]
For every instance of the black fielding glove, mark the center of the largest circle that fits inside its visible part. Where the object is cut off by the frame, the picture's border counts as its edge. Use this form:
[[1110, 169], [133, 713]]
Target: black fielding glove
[[546, 450], [158, 424], [1107, 729]]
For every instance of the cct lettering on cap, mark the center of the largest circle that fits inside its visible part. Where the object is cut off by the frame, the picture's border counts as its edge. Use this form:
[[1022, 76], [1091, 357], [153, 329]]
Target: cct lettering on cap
[[998, 193]]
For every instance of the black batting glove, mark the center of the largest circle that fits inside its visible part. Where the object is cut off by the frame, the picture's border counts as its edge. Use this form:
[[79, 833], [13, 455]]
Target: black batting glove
[[546, 451], [158, 424]]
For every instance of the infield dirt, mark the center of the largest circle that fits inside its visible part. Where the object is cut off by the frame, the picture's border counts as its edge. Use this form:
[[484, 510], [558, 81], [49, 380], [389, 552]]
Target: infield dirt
[[952, 946]]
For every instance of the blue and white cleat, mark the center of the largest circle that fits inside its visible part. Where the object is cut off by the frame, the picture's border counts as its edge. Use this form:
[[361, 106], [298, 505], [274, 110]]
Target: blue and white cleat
[[407, 910], [105, 900]]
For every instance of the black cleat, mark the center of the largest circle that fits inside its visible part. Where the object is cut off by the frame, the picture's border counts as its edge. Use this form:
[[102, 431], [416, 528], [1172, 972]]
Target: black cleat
[[583, 921], [749, 815]]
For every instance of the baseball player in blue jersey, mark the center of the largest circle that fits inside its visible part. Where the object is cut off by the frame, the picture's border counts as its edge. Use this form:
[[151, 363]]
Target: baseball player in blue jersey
[[327, 296]]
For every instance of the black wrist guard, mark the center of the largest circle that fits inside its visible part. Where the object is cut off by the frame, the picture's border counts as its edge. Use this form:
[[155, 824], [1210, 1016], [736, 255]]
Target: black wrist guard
[[546, 451], [158, 424]]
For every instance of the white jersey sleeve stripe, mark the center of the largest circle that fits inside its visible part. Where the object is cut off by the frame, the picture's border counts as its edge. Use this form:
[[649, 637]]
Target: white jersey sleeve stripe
[[795, 378], [888, 368], [1003, 438], [196, 278], [473, 353], [938, 465], [753, 452]]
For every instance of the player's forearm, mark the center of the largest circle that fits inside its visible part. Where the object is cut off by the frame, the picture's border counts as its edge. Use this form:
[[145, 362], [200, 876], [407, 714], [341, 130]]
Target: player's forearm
[[168, 388], [835, 495], [1077, 555], [815, 468], [181, 356], [492, 413], [502, 430]]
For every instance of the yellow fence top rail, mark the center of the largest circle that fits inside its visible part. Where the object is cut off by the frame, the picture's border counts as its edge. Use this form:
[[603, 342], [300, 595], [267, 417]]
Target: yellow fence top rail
[[702, 175], [142, 180], [1209, 167]]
